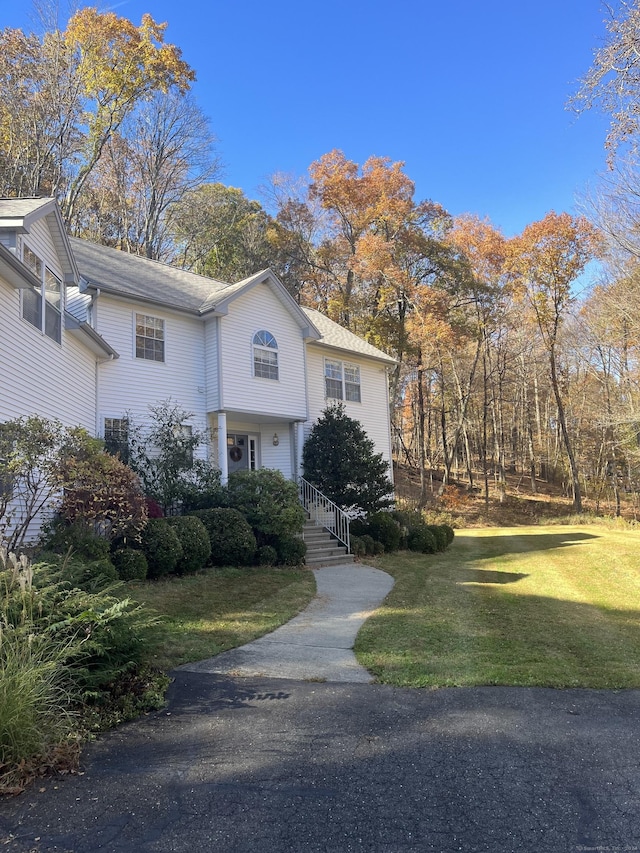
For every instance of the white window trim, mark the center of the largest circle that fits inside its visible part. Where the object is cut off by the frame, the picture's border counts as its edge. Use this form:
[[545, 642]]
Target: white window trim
[[343, 381], [41, 273], [271, 350], [134, 324]]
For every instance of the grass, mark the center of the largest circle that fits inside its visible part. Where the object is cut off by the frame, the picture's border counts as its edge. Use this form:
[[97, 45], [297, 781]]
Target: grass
[[220, 609], [545, 606]]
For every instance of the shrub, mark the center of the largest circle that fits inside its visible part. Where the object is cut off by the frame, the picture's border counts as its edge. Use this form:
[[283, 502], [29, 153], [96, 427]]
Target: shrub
[[449, 533], [358, 548], [408, 520], [196, 545], [267, 555], [339, 459], [421, 539], [358, 526], [385, 529], [100, 490], [35, 698], [60, 645], [268, 501], [232, 540], [92, 574], [162, 453], [440, 535], [291, 550], [131, 564], [160, 544], [82, 539], [369, 544]]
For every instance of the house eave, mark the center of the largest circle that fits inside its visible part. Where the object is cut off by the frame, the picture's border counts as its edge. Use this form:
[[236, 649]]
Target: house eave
[[15, 272], [89, 337]]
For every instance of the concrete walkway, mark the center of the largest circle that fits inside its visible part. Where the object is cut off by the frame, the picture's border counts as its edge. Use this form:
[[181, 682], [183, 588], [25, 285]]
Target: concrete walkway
[[317, 644]]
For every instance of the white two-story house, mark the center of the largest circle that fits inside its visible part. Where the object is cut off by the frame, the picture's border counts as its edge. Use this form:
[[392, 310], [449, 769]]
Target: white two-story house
[[91, 336]]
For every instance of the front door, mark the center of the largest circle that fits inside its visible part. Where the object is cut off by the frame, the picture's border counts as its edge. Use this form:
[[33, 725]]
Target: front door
[[241, 452]]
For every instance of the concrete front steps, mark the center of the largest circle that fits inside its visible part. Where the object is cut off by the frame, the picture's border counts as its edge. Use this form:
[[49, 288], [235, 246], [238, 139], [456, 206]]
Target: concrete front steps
[[322, 548]]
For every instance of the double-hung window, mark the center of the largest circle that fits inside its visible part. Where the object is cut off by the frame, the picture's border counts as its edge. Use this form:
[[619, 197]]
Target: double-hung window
[[149, 338], [116, 437], [42, 306], [265, 355], [342, 380]]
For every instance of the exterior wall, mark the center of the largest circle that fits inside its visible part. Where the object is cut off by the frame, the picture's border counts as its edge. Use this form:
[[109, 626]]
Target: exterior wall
[[241, 390], [39, 241], [280, 457], [129, 384], [372, 411], [40, 376]]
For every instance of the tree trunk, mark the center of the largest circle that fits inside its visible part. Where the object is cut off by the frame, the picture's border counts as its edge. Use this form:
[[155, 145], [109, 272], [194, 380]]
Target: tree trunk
[[575, 476]]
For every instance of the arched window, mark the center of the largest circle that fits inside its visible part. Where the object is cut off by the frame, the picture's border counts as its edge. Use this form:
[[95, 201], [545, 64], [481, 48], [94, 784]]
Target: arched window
[[265, 355]]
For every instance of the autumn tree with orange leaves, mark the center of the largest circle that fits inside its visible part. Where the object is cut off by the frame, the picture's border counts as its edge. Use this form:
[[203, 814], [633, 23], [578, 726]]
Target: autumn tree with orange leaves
[[369, 255], [544, 262], [67, 95]]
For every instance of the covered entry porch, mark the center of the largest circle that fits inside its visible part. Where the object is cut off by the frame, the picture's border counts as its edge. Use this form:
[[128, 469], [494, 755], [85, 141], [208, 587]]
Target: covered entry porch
[[245, 441]]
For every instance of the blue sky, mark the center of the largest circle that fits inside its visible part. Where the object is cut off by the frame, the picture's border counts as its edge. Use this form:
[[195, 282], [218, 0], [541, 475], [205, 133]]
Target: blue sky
[[470, 94]]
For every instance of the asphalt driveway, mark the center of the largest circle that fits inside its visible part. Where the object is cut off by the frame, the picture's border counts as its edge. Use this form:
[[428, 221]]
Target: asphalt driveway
[[263, 764]]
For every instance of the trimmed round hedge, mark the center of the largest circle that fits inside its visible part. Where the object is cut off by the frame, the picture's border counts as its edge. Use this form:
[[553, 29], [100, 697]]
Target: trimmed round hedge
[[232, 540], [421, 539], [131, 564], [195, 541], [160, 544]]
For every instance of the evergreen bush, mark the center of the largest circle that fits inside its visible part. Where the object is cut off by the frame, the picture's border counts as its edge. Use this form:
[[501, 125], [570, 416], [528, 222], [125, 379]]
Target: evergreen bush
[[131, 564], [267, 555], [421, 539], [384, 529], [449, 533], [195, 541], [161, 546], [440, 535], [291, 550], [369, 544], [232, 540], [339, 459], [82, 539], [358, 548], [268, 501]]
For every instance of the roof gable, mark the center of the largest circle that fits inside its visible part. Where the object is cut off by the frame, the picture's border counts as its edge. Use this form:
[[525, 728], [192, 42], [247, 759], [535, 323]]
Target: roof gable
[[19, 215]]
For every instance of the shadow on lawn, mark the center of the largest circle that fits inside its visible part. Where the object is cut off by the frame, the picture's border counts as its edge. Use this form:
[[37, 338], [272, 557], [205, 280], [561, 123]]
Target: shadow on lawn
[[525, 543], [464, 576]]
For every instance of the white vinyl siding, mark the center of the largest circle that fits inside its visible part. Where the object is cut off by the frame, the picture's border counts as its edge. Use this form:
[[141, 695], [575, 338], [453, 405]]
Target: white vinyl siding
[[130, 385], [43, 378], [373, 414], [242, 390]]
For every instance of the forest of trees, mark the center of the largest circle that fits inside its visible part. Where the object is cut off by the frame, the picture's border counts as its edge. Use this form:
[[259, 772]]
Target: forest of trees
[[504, 365]]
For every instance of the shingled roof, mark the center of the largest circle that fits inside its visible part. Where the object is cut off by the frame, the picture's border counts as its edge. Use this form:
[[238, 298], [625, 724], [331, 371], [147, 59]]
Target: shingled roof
[[337, 337], [130, 276]]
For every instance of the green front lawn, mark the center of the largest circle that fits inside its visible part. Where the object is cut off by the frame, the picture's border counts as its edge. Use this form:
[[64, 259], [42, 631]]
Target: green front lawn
[[545, 606], [220, 609]]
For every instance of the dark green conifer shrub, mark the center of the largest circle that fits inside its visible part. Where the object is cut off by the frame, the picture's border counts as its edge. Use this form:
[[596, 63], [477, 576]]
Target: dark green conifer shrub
[[131, 564], [195, 541], [161, 546], [232, 540]]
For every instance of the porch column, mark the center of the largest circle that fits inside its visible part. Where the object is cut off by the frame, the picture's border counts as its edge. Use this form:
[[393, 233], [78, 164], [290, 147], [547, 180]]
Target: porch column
[[299, 446], [223, 463]]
